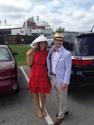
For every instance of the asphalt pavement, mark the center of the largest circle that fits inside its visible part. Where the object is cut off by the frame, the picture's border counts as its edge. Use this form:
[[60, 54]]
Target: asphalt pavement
[[18, 109]]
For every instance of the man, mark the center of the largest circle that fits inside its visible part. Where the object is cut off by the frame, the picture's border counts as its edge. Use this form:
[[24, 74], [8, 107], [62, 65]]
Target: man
[[59, 70]]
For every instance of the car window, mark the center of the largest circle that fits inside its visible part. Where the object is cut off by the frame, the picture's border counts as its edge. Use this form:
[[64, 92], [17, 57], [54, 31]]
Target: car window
[[86, 45], [4, 55], [69, 44], [69, 38]]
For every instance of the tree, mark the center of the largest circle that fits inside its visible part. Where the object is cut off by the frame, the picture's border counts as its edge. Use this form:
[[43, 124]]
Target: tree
[[60, 29]]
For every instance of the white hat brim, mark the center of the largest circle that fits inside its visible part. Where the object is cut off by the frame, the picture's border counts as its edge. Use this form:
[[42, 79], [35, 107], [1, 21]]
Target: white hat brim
[[41, 38]]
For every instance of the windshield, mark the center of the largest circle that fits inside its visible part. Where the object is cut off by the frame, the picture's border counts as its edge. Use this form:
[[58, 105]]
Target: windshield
[[4, 55], [86, 45]]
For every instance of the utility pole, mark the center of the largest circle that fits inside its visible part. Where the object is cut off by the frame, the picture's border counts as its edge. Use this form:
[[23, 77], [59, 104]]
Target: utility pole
[[92, 28]]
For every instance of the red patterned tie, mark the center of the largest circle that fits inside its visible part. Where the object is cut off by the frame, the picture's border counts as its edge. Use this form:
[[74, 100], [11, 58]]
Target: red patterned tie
[[55, 50]]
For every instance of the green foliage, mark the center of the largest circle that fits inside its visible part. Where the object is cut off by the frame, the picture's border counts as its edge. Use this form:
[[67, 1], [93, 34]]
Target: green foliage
[[60, 29], [20, 50]]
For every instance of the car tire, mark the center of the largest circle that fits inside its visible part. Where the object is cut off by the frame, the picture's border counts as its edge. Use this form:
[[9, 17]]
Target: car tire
[[16, 90]]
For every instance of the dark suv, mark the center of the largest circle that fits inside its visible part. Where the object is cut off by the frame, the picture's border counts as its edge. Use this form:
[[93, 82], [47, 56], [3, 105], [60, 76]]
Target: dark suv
[[82, 49], [81, 45]]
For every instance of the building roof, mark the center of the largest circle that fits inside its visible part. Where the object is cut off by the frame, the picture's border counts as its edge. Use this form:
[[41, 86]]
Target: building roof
[[10, 27]]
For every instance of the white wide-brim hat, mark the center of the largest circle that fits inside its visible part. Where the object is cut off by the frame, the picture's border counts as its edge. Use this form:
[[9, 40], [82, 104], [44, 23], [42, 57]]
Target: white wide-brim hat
[[41, 38]]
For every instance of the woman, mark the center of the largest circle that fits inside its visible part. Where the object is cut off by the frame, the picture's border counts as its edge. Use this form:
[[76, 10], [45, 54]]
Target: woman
[[39, 84]]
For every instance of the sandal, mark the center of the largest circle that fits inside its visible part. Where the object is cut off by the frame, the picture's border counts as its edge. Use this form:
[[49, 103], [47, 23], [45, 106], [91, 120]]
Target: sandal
[[39, 114]]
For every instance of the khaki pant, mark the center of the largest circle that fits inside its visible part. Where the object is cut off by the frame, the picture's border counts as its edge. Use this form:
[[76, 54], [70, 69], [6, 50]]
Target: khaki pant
[[62, 96]]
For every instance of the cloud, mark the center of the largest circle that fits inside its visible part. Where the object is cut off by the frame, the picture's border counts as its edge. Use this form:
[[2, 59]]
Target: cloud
[[14, 11], [73, 15], [10, 9], [16, 3]]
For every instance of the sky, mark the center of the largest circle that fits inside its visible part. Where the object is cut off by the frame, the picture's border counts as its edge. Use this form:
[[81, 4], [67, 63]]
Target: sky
[[73, 15]]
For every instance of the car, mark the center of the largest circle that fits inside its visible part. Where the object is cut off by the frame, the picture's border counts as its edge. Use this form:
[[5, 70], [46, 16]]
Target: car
[[81, 46], [83, 60], [8, 71]]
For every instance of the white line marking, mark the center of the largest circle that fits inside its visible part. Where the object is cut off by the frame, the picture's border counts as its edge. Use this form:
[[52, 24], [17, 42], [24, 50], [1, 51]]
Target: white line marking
[[22, 69], [47, 118]]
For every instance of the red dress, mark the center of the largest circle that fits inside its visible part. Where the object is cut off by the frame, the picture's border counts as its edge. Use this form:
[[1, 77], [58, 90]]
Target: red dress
[[39, 81]]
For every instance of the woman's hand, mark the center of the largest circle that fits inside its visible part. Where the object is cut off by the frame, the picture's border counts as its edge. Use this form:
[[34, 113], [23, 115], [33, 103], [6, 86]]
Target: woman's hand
[[30, 51], [30, 57]]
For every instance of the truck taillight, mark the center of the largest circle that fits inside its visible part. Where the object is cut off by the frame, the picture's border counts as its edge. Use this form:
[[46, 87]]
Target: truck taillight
[[80, 62]]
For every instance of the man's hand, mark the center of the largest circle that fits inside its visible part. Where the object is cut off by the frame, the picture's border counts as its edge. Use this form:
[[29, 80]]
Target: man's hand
[[64, 86]]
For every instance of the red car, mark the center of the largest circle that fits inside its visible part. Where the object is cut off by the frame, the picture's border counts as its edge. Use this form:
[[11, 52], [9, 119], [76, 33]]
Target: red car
[[8, 71]]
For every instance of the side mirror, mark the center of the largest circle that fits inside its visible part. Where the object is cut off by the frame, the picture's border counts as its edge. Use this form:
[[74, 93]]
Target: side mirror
[[15, 53]]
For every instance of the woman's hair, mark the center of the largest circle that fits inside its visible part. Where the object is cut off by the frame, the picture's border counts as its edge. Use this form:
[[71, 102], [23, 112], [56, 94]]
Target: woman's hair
[[38, 46]]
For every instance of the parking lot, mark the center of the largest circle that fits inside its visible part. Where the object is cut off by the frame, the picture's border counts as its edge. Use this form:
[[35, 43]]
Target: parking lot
[[18, 109]]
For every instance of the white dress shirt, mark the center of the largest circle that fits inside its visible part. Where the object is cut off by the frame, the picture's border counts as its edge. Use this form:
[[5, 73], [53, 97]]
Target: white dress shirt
[[54, 59]]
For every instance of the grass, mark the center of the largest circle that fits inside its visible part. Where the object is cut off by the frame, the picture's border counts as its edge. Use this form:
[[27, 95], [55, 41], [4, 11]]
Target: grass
[[21, 50]]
